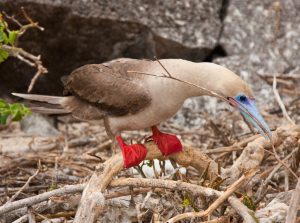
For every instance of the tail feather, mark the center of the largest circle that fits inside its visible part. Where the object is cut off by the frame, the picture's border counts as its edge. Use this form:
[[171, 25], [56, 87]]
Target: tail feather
[[49, 111], [43, 98], [39, 104], [55, 105]]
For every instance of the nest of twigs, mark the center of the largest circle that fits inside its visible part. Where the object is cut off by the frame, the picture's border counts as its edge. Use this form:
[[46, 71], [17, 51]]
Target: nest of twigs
[[221, 176]]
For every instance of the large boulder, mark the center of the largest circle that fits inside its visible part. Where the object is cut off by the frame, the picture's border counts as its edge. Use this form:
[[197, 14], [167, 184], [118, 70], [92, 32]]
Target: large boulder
[[261, 37], [92, 31]]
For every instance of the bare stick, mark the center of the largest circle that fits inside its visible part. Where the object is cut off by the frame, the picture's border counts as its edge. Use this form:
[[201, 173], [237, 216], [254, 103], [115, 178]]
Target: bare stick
[[163, 67], [92, 200], [282, 162], [253, 153], [195, 190], [25, 185], [269, 178], [28, 58], [235, 186], [69, 189], [235, 147], [23, 219], [242, 210], [31, 60], [279, 101], [294, 205]]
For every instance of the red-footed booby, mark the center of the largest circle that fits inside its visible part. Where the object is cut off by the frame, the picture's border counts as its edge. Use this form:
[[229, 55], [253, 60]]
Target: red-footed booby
[[132, 94]]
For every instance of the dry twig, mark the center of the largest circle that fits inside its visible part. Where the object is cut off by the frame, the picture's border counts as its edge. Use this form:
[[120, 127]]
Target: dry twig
[[234, 187], [92, 201], [294, 205], [282, 106], [25, 185], [28, 58], [69, 189]]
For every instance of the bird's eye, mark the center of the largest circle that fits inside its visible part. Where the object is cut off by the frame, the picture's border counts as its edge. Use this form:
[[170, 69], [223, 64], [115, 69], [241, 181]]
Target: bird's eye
[[243, 98]]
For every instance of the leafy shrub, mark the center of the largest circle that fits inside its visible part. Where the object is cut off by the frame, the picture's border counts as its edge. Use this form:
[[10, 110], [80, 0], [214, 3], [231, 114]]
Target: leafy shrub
[[15, 111]]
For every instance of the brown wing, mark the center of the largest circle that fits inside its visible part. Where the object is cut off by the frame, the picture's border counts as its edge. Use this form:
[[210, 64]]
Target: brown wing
[[109, 87]]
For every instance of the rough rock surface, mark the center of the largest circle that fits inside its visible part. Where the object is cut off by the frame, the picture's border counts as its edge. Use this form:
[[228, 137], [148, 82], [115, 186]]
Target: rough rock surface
[[39, 125], [261, 37], [92, 31], [268, 31], [253, 36]]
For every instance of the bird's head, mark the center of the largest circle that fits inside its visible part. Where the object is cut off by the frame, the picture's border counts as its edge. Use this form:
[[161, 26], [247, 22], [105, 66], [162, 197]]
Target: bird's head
[[225, 84], [240, 96]]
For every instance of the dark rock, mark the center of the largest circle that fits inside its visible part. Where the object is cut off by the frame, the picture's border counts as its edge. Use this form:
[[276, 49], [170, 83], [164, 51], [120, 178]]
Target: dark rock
[[92, 31]]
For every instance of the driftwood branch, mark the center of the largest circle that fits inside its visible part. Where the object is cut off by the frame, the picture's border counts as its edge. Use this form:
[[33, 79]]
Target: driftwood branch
[[24, 186], [294, 205], [92, 201], [279, 101], [69, 189], [234, 187], [253, 153], [194, 189]]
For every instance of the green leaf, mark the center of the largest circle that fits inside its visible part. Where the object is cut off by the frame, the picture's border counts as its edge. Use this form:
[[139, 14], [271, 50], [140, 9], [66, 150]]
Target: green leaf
[[12, 35], [3, 119], [4, 37], [1, 33], [186, 202], [3, 55], [16, 111], [247, 200], [3, 104]]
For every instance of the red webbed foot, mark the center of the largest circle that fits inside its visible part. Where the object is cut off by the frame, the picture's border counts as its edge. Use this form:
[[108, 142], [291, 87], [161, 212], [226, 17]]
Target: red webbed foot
[[167, 143], [132, 154]]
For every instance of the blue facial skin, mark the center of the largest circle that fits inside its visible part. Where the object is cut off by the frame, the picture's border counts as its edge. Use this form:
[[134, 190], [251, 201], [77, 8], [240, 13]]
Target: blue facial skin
[[249, 104]]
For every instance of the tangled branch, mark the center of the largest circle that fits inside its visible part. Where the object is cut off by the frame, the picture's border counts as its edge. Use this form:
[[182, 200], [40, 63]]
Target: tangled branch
[[8, 45]]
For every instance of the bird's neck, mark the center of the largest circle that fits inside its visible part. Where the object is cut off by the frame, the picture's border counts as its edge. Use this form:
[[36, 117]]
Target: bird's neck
[[197, 76]]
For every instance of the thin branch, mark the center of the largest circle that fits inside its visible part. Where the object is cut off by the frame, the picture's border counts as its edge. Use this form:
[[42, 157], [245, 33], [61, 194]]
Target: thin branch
[[194, 189], [12, 18], [25, 185], [269, 178], [28, 58], [92, 200], [31, 22], [282, 162], [69, 189], [163, 67], [294, 205], [31, 60], [279, 101], [234, 187], [209, 92], [253, 153], [247, 214]]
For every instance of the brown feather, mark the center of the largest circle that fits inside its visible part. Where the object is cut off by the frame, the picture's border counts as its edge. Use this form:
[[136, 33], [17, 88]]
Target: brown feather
[[109, 87]]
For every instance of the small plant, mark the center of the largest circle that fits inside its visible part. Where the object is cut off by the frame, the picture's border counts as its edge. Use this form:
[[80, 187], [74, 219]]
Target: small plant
[[14, 111], [8, 47], [247, 200], [9, 41], [7, 37]]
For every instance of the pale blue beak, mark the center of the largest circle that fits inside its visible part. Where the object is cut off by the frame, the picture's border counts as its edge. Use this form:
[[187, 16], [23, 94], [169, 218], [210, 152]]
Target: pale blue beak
[[249, 110]]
